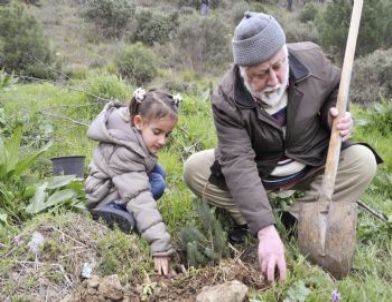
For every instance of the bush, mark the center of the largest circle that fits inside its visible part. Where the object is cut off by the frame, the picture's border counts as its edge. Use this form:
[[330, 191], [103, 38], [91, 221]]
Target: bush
[[308, 12], [137, 63], [154, 28], [110, 17], [203, 43], [297, 31], [374, 32], [372, 77], [23, 47], [103, 88], [204, 242]]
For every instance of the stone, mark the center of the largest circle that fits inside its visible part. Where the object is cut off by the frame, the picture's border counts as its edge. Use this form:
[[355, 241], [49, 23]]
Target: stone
[[111, 288], [230, 291]]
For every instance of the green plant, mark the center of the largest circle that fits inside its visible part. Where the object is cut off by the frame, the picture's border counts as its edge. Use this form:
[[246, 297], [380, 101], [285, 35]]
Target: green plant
[[205, 242], [137, 63], [7, 81], [200, 47], [12, 166], [110, 17], [378, 118], [23, 47], [372, 77], [309, 12], [122, 254], [60, 191], [376, 24], [105, 87], [154, 28]]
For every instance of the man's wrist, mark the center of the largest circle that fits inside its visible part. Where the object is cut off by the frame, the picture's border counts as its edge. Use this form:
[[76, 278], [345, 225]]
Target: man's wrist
[[266, 230]]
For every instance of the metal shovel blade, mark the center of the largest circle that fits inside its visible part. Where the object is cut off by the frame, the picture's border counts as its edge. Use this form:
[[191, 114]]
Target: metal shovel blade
[[327, 235]]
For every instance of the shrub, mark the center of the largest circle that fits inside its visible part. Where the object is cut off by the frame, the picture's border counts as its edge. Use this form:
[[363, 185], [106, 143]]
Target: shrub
[[110, 17], [372, 77], [204, 242], [374, 32], [137, 63], [154, 28], [105, 87], [203, 43], [308, 12], [23, 47], [297, 31]]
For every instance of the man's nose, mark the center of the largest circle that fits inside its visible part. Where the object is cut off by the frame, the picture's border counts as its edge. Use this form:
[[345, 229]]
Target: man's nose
[[272, 78]]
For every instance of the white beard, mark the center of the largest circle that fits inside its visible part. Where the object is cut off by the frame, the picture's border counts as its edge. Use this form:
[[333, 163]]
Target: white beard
[[270, 95]]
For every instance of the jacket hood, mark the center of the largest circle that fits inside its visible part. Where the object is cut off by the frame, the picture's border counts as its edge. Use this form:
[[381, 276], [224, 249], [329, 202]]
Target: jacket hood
[[113, 126]]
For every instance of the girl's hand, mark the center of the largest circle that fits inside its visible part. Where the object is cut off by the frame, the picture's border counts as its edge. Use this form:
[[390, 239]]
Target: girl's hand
[[161, 265]]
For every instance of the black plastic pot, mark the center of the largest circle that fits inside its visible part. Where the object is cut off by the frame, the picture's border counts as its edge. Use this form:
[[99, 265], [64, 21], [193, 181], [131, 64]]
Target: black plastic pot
[[68, 165]]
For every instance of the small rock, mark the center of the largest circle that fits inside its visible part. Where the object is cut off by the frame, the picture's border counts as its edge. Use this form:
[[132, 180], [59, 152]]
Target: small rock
[[111, 288], [37, 240], [93, 282], [231, 291], [87, 270], [68, 298]]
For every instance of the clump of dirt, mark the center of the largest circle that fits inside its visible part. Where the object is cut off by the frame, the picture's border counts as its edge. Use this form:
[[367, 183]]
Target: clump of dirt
[[47, 262], [185, 287]]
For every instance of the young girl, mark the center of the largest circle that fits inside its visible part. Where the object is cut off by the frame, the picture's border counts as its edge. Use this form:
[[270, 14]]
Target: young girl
[[125, 179]]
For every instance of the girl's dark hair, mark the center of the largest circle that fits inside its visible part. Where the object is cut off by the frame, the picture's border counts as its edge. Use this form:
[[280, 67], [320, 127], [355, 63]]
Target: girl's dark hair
[[156, 104]]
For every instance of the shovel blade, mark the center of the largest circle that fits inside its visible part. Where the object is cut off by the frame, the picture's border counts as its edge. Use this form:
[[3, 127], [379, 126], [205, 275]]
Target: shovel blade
[[327, 235]]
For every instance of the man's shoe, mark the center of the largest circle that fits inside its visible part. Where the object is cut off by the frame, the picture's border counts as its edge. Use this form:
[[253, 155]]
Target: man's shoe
[[111, 216], [290, 223], [238, 233]]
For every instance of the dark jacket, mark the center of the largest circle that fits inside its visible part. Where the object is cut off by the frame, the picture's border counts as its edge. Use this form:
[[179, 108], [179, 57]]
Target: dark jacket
[[250, 143]]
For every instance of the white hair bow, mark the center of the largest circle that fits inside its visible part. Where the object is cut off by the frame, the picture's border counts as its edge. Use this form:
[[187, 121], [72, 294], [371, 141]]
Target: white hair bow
[[177, 99], [139, 94]]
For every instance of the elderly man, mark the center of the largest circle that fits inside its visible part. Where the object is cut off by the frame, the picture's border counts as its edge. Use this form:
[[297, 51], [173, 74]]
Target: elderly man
[[273, 111]]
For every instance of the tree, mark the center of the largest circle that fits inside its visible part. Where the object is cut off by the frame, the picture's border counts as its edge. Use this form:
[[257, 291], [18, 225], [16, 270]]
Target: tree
[[23, 47]]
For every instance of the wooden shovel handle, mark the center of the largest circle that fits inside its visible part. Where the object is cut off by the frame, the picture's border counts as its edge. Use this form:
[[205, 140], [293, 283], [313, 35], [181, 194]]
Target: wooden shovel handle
[[335, 141]]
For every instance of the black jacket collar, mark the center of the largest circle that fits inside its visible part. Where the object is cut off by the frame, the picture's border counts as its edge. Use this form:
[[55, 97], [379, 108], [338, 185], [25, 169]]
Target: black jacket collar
[[243, 98]]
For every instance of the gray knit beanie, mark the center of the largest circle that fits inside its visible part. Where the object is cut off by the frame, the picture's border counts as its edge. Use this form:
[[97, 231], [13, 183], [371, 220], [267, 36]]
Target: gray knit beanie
[[256, 39]]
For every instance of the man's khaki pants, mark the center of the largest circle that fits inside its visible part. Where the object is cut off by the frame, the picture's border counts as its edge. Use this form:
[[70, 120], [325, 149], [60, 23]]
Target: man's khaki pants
[[356, 169]]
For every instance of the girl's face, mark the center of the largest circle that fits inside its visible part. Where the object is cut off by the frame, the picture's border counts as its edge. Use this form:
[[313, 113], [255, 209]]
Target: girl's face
[[154, 132]]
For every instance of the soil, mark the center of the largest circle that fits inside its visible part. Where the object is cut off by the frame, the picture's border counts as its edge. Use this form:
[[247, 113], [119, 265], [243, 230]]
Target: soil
[[54, 274]]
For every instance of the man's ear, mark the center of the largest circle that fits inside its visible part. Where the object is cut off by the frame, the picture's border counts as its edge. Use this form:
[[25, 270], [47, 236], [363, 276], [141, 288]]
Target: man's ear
[[138, 121]]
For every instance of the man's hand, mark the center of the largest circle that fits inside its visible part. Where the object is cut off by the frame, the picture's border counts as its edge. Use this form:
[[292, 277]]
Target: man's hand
[[271, 253], [344, 125], [161, 265]]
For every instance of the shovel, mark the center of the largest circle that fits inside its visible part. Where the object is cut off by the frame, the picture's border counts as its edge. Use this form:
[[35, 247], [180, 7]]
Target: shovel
[[326, 228]]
